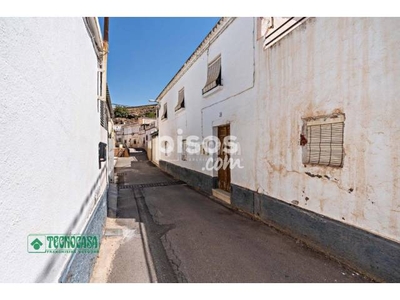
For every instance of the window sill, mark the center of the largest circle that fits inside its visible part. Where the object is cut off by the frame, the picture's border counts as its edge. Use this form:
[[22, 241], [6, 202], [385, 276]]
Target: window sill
[[179, 111], [213, 91]]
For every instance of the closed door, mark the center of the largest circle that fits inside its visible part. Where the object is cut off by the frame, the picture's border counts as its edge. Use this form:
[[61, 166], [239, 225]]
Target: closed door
[[224, 172]]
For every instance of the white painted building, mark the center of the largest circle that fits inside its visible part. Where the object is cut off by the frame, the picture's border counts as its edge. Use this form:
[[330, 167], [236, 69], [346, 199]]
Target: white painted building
[[52, 124], [135, 135], [313, 103]]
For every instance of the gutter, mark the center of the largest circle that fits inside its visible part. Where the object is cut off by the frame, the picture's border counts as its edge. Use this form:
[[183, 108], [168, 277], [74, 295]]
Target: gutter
[[93, 27]]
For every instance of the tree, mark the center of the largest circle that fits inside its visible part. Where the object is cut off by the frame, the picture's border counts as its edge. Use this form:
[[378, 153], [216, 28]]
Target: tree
[[151, 114], [120, 112]]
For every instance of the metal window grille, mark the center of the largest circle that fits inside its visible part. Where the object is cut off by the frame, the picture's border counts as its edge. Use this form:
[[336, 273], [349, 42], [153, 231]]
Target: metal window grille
[[324, 142], [181, 100], [103, 115], [165, 112], [213, 75]]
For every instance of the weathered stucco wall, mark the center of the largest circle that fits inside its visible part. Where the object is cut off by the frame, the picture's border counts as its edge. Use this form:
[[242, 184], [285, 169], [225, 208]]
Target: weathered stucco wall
[[328, 65], [50, 179], [325, 66]]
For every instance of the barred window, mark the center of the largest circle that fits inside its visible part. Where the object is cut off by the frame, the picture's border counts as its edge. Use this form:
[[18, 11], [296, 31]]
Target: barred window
[[322, 141], [103, 115], [181, 100], [165, 112], [213, 75]]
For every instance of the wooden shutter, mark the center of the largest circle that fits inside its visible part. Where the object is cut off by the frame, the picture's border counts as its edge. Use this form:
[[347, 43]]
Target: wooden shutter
[[213, 75], [181, 100], [324, 142]]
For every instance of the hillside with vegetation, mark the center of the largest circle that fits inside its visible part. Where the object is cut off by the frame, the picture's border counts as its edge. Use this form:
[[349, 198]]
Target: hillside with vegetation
[[130, 114]]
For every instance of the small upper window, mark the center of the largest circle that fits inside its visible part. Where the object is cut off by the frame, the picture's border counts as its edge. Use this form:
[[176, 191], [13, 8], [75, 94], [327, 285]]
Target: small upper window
[[181, 100], [99, 83], [213, 75], [165, 112], [322, 141]]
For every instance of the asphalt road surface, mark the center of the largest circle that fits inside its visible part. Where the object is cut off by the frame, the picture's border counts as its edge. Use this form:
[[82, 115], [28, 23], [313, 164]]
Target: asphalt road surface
[[192, 238]]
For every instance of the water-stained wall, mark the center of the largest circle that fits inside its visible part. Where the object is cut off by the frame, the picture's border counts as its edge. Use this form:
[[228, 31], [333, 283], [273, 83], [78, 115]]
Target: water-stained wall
[[326, 66]]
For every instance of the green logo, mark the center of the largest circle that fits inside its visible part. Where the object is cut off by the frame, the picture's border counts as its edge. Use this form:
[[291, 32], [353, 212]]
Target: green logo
[[55, 243], [36, 244]]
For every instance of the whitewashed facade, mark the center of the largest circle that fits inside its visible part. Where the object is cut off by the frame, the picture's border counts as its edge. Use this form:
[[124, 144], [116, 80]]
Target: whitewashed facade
[[51, 179], [280, 75]]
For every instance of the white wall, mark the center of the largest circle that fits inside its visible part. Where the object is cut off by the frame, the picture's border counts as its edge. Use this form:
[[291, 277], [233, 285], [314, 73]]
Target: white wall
[[50, 130], [202, 113], [328, 65]]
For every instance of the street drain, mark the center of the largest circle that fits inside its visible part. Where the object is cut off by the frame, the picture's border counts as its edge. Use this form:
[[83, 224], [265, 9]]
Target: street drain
[[146, 185]]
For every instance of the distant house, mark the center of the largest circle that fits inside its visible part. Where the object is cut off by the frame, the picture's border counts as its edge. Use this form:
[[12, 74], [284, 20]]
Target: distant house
[[55, 172], [135, 135], [312, 104]]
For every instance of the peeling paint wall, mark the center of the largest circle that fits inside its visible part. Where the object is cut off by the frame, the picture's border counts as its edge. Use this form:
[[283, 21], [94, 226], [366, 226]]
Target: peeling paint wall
[[50, 181], [325, 66]]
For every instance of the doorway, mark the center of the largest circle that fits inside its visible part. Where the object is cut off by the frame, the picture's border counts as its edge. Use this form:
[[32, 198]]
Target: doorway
[[224, 173]]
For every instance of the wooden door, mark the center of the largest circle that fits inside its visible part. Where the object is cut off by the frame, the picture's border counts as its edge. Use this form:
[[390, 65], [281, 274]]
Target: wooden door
[[224, 173]]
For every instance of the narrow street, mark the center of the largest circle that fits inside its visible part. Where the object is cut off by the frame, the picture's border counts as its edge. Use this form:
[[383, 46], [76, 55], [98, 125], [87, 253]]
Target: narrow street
[[184, 236]]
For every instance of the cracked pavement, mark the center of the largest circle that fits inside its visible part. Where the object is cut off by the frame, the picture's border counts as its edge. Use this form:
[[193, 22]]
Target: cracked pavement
[[184, 236]]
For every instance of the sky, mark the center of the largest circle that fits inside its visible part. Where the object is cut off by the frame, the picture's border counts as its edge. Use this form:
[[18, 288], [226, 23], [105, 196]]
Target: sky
[[145, 53]]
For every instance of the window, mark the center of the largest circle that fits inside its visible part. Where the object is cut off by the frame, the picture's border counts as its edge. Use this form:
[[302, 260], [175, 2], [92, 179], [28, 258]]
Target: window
[[275, 29], [103, 115], [166, 147], [184, 152], [102, 153], [165, 112], [322, 141], [134, 141], [213, 75], [181, 100], [99, 83]]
